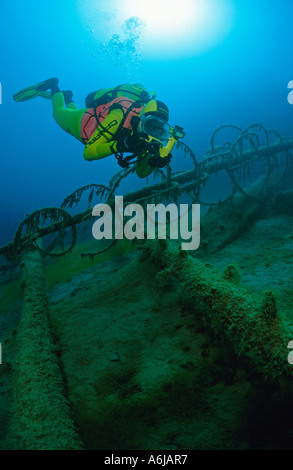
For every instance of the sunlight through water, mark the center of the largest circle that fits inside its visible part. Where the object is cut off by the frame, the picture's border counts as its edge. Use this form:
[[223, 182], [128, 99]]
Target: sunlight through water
[[172, 28]]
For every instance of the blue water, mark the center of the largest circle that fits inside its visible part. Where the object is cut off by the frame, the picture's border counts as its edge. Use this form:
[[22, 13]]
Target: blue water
[[241, 80]]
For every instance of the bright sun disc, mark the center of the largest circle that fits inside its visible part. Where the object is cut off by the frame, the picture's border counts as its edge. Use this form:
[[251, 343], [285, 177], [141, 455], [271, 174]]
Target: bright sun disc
[[180, 27], [173, 28], [166, 17]]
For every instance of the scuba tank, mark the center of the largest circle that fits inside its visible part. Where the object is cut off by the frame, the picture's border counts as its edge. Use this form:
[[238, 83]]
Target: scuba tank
[[136, 92]]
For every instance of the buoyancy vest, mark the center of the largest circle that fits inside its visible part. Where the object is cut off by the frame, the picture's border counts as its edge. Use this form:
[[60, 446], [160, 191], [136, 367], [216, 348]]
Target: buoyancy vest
[[94, 117]]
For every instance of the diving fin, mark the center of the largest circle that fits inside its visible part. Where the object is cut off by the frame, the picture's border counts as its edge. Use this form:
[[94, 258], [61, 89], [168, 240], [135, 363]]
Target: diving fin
[[46, 94], [33, 91], [67, 96]]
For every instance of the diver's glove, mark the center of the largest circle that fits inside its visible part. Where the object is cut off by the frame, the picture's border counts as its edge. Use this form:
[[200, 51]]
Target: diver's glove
[[133, 144], [159, 162]]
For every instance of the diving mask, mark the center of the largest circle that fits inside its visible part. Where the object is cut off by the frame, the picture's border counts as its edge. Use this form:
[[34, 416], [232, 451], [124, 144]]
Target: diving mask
[[154, 127]]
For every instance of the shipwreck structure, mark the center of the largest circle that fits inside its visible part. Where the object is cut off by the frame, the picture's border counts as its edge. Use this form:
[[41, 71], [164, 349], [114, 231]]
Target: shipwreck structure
[[236, 180]]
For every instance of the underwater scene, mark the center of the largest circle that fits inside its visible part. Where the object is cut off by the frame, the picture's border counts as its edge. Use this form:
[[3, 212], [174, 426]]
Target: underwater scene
[[146, 244]]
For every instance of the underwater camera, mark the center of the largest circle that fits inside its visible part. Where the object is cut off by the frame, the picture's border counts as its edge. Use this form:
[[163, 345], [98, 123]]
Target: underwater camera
[[177, 132], [156, 146]]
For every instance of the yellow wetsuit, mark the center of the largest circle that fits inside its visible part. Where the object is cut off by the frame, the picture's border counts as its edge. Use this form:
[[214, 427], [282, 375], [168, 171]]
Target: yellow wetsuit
[[101, 144]]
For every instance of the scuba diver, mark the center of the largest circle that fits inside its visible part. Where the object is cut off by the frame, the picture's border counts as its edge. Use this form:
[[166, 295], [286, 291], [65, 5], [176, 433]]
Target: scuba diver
[[122, 120]]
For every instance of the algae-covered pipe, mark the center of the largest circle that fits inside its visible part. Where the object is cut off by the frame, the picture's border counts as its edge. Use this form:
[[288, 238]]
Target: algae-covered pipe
[[249, 321], [41, 418]]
